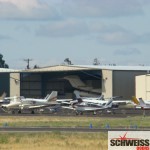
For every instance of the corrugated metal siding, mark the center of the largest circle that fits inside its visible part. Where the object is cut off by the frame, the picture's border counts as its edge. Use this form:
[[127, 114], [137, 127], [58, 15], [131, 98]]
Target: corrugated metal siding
[[140, 86], [147, 87], [31, 85], [124, 83], [143, 87]]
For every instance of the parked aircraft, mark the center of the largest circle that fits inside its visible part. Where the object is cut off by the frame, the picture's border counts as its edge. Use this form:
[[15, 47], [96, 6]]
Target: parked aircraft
[[101, 101], [13, 105], [140, 104], [31, 103], [81, 107], [85, 89]]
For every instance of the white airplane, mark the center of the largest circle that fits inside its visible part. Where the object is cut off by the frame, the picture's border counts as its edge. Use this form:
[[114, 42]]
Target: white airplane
[[21, 103], [12, 105], [100, 101], [86, 99], [81, 107], [141, 104]]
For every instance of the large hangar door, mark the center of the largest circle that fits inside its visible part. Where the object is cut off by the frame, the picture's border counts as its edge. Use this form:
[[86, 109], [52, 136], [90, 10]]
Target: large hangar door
[[31, 85]]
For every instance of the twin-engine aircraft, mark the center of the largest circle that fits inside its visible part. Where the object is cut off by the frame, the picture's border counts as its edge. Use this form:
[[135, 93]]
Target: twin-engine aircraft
[[21, 103]]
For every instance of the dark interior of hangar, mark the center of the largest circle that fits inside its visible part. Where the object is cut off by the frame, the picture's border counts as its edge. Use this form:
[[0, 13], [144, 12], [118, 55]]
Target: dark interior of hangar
[[40, 84], [4, 83]]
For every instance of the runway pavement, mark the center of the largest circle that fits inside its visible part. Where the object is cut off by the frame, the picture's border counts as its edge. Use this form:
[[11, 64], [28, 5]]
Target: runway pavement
[[117, 113]]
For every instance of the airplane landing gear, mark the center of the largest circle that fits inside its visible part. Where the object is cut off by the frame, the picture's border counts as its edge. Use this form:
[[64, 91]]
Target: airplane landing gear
[[19, 111], [32, 112], [94, 113]]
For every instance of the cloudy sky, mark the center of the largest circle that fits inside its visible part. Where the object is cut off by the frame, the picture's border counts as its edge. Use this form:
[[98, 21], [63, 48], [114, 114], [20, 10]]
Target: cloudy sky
[[48, 31]]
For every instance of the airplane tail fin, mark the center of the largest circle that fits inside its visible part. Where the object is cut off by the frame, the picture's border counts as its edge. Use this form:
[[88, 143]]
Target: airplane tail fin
[[52, 96], [134, 99], [109, 104], [77, 94], [3, 96], [101, 97], [142, 103]]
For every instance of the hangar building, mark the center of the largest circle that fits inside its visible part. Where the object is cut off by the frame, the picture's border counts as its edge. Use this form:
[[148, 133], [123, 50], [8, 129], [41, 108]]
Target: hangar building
[[143, 86], [89, 80]]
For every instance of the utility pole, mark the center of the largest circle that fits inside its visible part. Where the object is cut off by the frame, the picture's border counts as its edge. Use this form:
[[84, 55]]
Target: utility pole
[[28, 62]]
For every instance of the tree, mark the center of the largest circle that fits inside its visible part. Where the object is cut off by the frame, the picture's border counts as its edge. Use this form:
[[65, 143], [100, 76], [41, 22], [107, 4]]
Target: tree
[[68, 61], [2, 62]]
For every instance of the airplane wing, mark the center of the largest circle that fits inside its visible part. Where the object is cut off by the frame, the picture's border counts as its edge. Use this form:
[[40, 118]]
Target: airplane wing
[[63, 100], [36, 106], [65, 107], [88, 109]]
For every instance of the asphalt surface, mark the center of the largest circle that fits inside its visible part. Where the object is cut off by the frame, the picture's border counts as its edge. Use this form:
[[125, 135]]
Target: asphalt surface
[[123, 112]]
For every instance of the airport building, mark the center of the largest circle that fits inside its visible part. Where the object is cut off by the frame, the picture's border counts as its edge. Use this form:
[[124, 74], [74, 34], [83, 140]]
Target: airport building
[[89, 80], [143, 86]]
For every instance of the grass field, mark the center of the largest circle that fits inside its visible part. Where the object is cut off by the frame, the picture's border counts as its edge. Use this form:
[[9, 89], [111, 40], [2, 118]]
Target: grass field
[[62, 140], [53, 141], [53, 121]]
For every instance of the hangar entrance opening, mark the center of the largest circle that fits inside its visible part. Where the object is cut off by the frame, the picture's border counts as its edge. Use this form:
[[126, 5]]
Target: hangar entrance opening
[[40, 84], [4, 83]]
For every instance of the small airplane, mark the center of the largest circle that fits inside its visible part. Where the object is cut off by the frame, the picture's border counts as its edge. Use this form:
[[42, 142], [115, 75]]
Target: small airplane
[[141, 104], [81, 107], [13, 104], [21, 103], [101, 101]]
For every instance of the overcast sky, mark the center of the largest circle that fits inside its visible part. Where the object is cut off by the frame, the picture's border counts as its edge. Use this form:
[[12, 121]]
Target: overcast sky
[[48, 31]]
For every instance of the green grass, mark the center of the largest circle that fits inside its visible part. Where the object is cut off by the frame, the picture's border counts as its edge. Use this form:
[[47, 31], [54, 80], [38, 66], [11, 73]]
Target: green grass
[[54, 121]]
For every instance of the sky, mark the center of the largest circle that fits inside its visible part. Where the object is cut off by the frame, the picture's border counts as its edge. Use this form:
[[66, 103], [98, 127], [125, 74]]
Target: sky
[[49, 31]]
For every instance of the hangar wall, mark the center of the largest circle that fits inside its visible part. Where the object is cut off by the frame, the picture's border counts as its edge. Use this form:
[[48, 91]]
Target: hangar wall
[[14, 80], [143, 86], [107, 83], [124, 83]]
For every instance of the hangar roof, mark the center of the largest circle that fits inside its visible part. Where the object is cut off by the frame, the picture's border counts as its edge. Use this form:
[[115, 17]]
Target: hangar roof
[[87, 67], [109, 67], [4, 70], [59, 68]]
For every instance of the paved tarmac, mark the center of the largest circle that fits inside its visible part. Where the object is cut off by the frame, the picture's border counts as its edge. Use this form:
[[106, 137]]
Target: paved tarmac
[[119, 113]]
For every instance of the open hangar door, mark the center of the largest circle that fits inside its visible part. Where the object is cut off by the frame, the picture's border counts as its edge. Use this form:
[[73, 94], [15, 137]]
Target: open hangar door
[[4, 83], [39, 84]]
